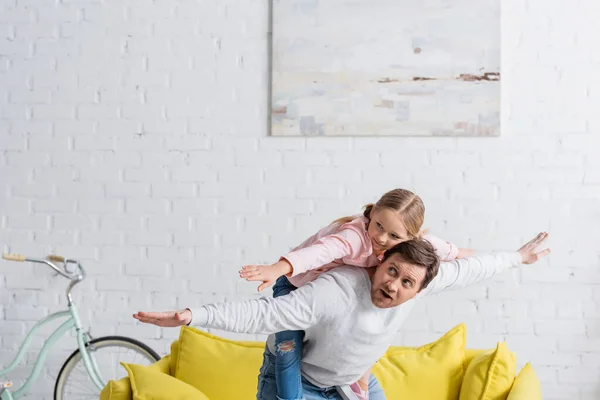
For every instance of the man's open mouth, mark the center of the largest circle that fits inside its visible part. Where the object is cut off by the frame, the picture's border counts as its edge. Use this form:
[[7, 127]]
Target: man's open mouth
[[384, 293]]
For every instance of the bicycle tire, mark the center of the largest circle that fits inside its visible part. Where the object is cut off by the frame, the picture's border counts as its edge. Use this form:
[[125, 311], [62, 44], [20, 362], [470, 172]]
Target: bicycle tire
[[100, 342]]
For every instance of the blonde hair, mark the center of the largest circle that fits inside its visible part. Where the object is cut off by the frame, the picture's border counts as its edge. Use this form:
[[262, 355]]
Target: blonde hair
[[409, 206]]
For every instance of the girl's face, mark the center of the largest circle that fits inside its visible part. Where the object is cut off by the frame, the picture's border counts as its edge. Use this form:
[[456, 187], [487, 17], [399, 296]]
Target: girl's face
[[386, 230]]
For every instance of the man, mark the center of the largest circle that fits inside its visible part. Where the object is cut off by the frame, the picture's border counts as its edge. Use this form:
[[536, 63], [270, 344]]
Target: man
[[350, 315]]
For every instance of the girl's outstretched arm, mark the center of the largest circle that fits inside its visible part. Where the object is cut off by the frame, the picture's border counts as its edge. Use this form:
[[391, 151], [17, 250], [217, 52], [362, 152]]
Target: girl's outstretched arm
[[345, 243]]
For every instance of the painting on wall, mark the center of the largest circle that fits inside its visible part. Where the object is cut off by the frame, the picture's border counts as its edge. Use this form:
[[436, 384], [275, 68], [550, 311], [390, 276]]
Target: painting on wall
[[385, 68]]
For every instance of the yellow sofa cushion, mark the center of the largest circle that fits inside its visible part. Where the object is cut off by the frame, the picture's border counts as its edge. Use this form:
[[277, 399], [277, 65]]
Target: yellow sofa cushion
[[149, 384], [117, 390], [220, 368], [433, 371], [527, 385], [490, 375], [121, 389]]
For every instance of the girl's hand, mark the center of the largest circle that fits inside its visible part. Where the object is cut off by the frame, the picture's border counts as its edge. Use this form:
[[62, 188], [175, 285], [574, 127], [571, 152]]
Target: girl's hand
[[529, 252], [166, 319], [464, 253], [363, 382], [361, 387], [268, 274]]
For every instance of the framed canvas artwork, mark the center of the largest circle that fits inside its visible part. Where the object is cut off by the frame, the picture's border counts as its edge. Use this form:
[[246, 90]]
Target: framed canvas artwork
[[385, 68]]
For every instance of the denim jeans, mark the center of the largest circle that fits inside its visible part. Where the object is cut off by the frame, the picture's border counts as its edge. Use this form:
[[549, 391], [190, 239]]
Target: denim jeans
[[288, 352], [267, 388]]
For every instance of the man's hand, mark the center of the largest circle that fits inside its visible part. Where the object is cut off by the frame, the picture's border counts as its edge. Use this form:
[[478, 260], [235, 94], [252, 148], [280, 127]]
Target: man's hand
[[166, 319], [268, 274], [529, 252]]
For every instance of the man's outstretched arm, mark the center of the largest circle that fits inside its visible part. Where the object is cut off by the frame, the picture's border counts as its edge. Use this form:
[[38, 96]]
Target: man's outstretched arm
[[298, 310], [461, 273]]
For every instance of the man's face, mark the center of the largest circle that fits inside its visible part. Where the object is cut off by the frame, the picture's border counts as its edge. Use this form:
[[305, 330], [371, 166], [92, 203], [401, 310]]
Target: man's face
[[395, 281]]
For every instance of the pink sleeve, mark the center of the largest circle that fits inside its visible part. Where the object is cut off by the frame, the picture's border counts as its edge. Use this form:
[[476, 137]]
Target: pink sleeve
[[446, 251], [344, 243]]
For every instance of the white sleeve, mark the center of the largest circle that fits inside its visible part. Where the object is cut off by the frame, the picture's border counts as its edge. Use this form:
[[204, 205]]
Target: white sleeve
[[298, 310], [463, 272]]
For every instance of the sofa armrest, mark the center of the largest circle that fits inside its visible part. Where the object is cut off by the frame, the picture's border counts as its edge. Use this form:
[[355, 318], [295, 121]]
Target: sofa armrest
[[121, 389]]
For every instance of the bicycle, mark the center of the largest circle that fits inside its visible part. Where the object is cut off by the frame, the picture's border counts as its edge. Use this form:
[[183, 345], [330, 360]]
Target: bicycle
[[90, 355]]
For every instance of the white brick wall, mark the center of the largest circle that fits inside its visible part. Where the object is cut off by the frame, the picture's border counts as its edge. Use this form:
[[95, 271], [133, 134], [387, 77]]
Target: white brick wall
[[133, 135]]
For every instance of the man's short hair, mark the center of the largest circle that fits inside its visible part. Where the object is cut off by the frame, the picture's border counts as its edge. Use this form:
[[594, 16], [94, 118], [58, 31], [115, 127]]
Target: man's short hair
[[418, 252]]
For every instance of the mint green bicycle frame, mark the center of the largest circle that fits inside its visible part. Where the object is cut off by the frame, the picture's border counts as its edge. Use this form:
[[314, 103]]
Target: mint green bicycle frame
[[72, 322]]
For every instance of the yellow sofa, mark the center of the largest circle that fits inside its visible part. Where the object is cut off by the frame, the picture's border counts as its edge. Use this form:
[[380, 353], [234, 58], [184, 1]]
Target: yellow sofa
[[202, 366]]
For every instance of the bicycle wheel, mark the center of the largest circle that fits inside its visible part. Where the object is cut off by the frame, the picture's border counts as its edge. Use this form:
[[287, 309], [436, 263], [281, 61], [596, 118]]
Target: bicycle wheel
[[74, 382]]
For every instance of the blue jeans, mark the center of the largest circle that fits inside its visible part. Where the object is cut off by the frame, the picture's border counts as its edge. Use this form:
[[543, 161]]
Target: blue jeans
[[288, 345], [267, 388]]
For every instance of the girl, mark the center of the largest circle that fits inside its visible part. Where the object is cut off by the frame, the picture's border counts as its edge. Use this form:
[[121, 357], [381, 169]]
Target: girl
[[360, 241]]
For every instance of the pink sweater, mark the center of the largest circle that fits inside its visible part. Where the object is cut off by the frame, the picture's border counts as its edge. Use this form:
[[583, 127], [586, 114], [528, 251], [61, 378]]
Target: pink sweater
[[346, 244]]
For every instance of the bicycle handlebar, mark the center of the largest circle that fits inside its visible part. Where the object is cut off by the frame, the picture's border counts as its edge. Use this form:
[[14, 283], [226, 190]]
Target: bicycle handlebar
[[13, 257], [69, 275], [56, 258]]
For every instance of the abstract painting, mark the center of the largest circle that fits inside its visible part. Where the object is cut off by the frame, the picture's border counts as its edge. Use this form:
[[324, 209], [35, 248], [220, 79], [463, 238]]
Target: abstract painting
[[385, 68]]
